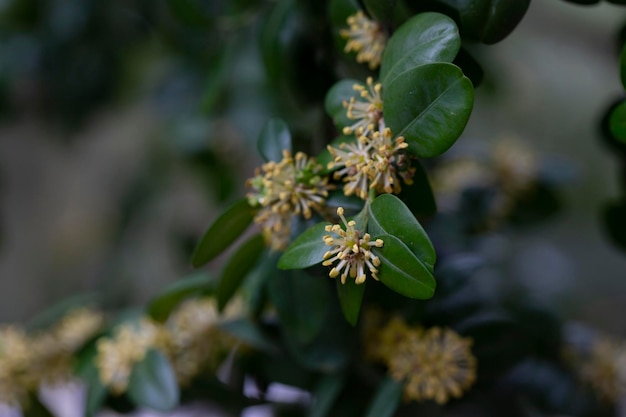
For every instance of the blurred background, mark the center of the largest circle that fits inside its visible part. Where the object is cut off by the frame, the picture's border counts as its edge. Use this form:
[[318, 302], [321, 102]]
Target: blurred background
[[125, 126]]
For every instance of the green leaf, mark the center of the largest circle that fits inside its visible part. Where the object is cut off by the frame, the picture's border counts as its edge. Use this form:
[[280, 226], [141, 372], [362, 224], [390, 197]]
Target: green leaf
[[388, 215], [190, 12], [617, 122], [402, 271], [161, 306], [87, 371], [307, 250], [338, 93], [55, 313], [249, 332], [301, 302], [326, 393], [387, 399], [419, 197], [224, 231], [380, 10], [153, 383], [423, 39], [275, 137], [35, 408], [241, 262], [490, 21], [350, 297], [429, 105]]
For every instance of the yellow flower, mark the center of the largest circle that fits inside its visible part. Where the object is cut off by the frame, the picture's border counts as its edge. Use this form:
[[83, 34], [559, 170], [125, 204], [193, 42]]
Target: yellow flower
[[604, 369], [435, 364], [197, 342], [369, 113], [16, 362], [117, 355], [351, 249], [285, 189], [516, 166], [365, 37], [374, 162]]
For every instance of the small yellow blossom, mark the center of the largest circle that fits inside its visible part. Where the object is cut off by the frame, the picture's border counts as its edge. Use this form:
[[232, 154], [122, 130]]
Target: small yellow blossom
[[117, 355], [16, 362], [285, 189], [435, 364], [365, 37], [516, 166], [197, 342], [351, 249], [374, 162], [604, 368], [368, 113]]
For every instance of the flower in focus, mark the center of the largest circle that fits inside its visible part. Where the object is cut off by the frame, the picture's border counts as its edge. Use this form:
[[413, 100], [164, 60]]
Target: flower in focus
[[351, 251], [117, 355], [284, 189], [369, 113], [16, 360], [365, 37], [197, 343], [374, 162]]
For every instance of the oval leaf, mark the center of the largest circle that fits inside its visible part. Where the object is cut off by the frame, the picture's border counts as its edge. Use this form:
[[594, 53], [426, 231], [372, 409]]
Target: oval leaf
[[388, 215], [153, 383], [350, 298], [423, 39], [274, 138], [386, 400], [307, 250], [241, 262], [161, 307], [338, 93], [402, 271], [430, 106], [224, 231], [490, 21]]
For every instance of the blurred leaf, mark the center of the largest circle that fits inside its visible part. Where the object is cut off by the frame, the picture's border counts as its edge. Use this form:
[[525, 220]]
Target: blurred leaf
[[429, 105], [55, 313], [387, 399], [425, 38], [622, 66], [224, 231], [490, 21], [389, 215], [301, 302], [340, 10], [351, 203], [87, 371], [274, 138], [350, 298], [35, 408], [190, 12], [250, 333], [402, 271], [307, 250], [326, 393], [241, 262], [617, 122], [161, 306], [278, 32], [338, 93], [419, 197], [615, 222], [380, 10], [153, 383]]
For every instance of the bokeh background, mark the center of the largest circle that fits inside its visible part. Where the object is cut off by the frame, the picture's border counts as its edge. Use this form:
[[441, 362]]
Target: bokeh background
[[125, 126]]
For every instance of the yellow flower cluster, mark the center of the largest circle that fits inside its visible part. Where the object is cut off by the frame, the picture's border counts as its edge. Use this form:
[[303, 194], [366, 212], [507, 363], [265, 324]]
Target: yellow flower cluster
[[375, 160], [351, 249], [29, 360], [365, 37], [285, 189], [434, 364]]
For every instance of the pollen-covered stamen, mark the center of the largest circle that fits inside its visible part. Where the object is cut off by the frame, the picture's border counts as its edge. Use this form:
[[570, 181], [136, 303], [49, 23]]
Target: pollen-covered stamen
[[386, 155], [351, 251], [368, 112], [365, 37]]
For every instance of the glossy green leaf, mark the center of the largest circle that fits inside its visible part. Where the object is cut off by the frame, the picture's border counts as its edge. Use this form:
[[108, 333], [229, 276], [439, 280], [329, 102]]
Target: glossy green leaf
[[390, 216], [250, 333], [161, 306], [240, 263], [386, 400], [301, 301], [279, 29], [402, 271], [153, 383], [350, 298], [274, 138], [423, 39], [430, 106], [617, 122], [419, 197], [224, 231], [326, 393], [307, 250], [338, 93], [490, 21]]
